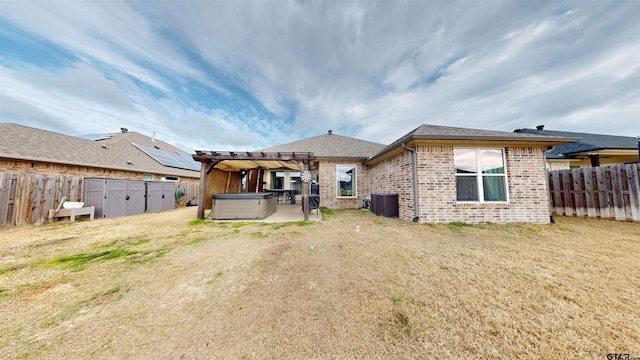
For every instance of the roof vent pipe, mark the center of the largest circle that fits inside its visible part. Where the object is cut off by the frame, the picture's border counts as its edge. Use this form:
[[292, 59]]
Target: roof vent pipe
[[415, 181], [540, 127], [330, 132], [123, 129]]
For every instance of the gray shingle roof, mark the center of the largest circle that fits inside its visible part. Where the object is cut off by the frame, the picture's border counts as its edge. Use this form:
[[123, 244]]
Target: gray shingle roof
[[331, 145], [27, 143], [435, 132], [587, 142]]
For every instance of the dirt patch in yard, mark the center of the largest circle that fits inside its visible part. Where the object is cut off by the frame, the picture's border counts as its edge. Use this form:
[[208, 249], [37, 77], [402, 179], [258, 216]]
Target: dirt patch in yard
[[167, 286]]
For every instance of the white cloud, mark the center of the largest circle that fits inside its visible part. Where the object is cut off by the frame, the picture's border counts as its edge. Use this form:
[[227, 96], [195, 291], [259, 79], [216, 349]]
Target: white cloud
[[372, 69]]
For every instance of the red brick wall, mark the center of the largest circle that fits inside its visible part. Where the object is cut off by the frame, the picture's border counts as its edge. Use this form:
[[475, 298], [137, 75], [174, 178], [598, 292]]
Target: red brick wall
[[328, 184], [526, 181]]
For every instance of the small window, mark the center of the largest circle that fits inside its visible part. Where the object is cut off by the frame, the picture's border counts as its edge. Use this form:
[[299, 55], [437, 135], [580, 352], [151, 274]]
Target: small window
[[170, 179], [147, 177], [346, 181], [480, 175]]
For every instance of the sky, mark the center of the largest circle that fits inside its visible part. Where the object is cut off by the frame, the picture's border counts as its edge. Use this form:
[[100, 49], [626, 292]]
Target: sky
[[245, 75]]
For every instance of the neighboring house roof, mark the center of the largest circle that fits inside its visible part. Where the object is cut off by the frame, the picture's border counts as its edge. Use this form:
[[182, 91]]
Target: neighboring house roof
[[113, 151], [446, 134], [331, 145], [587, 143]]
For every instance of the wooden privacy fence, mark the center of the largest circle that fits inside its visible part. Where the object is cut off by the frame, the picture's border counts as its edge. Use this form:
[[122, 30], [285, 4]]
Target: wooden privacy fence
[[26, 198], [605, 192], [190, 192]]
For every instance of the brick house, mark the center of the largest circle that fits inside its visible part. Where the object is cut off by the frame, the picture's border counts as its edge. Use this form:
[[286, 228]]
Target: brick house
[[447, 174], [331, 151], [119, 155], [440, 174]]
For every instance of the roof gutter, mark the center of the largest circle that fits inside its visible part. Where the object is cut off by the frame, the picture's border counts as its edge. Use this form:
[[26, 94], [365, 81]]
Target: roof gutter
[[414, 178]]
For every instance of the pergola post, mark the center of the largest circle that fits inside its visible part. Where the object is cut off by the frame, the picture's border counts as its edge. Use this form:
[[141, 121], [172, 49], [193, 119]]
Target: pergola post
[[205, 169], [305, 201], [203, 190]]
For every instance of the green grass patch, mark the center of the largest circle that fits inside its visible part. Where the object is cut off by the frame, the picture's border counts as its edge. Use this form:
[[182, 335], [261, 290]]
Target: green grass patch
[[237, 225], [325, 211], [276, 226], [149, 256], [141, 241], [458, 226], [108, 245], [77, 261], [9, 269], [259, 235], [197, 223], [403, 319]]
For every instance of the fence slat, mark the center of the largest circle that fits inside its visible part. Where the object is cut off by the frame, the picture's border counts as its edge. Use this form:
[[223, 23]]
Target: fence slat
[[557, 193], [603, 192], [634, 190], [589, 192], [577, 191], [618, 198], [566, 192], [5, 192], [50, 195], [36, 203], [74, 190]]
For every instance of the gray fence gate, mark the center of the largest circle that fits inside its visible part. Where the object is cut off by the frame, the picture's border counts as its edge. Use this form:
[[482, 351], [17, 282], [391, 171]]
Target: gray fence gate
[[160, 196], [114, 198]]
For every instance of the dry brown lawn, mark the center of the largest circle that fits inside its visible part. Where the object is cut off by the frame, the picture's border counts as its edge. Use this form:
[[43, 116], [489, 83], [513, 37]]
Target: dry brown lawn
[[163, 286]]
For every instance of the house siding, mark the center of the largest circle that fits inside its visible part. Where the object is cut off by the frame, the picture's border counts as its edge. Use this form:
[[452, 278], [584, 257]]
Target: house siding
[[327, 179], [526, 177]]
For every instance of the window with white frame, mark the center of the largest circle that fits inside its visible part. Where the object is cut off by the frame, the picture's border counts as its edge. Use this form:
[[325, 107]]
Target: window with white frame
[[480, 175], [346, 180]]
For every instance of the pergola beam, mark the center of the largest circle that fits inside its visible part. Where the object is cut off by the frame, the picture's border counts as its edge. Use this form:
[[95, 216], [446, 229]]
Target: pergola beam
[[210, 156]]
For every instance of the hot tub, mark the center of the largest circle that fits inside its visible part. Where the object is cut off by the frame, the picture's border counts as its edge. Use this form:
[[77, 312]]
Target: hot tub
[[243, 206]]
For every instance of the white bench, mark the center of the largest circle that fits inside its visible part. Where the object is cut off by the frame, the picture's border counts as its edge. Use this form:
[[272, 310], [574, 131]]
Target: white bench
[[72, 213]]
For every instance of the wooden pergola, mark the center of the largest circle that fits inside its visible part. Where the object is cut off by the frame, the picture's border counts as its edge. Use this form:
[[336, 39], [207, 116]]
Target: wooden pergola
[[244, 162]]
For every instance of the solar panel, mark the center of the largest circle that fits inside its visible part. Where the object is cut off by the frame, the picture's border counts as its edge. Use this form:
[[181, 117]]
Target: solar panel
[[95, 137], [174, 160]]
